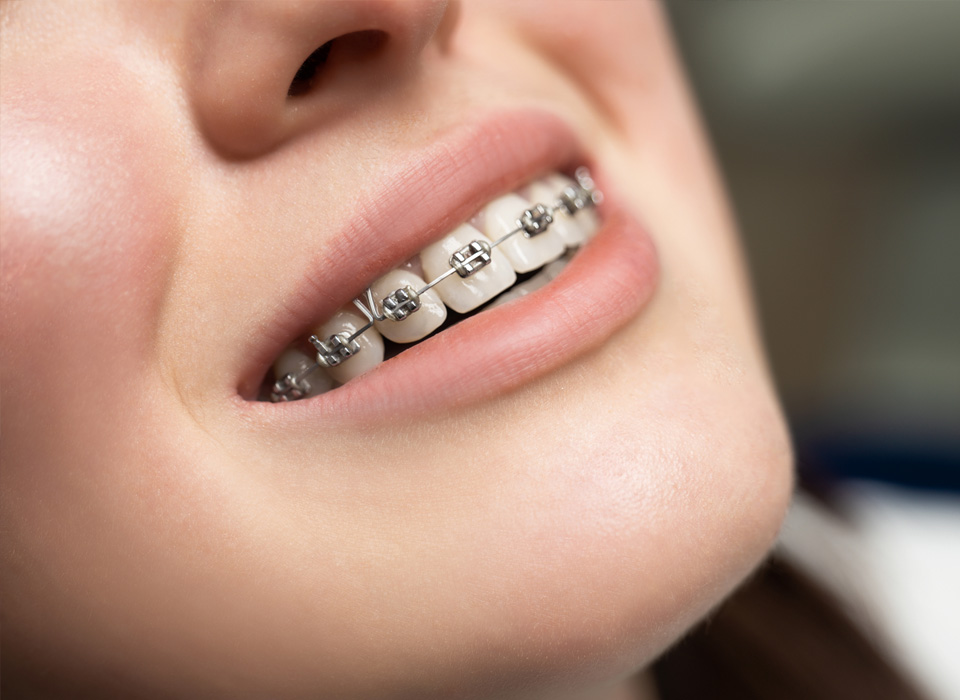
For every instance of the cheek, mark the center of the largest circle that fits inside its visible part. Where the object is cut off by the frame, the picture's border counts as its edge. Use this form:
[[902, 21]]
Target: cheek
[[86, 230]]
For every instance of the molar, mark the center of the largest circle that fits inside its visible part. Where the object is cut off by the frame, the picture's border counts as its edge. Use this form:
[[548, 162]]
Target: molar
[[420, 323], [464, 294]]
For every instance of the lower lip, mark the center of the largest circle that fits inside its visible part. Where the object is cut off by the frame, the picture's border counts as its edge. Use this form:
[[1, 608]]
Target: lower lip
[[602, 288]]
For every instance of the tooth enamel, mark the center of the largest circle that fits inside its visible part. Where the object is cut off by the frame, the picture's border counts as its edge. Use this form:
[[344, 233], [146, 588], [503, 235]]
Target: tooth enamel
[[413, 265], [417, 325], [464, 294], [509, 295], [524, 288], [525, 254], [371, 345], [564, 225], [587, 219], [293, 361], [555, 268]]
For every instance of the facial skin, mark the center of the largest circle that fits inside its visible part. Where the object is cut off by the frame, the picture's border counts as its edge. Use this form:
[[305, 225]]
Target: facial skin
[[160, 540]]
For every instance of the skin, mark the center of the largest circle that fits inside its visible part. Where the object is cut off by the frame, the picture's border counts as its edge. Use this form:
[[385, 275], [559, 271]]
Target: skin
[[158, 543]]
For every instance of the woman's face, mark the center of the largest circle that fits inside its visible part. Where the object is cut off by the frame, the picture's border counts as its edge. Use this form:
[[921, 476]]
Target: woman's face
[[542, 497]]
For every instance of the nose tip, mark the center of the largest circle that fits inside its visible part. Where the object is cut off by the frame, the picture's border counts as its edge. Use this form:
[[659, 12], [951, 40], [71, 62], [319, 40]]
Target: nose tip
[[266, 72]]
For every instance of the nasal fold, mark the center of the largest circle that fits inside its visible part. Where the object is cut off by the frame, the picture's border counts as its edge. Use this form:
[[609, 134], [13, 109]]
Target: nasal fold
[[266, 72]]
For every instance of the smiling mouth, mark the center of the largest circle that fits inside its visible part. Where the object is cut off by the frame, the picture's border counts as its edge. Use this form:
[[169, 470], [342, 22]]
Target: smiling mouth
[[455, 349], [514, 245]]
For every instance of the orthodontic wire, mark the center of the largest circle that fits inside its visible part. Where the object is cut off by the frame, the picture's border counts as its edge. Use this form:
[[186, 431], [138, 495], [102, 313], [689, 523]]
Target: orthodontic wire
[[398, 305]]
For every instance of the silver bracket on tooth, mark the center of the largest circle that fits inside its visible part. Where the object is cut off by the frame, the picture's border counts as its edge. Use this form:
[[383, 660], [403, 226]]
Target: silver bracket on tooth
[[585, 180], [535, 220], [335, 349], [582, 195], [471, 258], [401, 303], [573, 199], [289, 388]]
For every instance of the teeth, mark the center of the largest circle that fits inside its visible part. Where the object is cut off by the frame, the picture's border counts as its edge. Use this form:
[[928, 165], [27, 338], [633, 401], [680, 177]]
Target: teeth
[[525, 254], [371, 345], [564, 225], [473, 272], [548, 274], [413, 265], [520, 290], [293, 361], [556, 267], [587, 219], [464, 294], [417, 325]]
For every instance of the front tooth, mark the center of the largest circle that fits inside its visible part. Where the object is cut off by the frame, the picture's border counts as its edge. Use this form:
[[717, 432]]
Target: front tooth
[[294, 361], [525, 254], [524, 288], [464, 294], [371, 345], [509, 295], [565, 226], [420, 323], [586, 218], [413, 265]]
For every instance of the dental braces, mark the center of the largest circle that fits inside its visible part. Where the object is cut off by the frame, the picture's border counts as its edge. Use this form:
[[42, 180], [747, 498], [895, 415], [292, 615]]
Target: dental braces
[[401, 303]]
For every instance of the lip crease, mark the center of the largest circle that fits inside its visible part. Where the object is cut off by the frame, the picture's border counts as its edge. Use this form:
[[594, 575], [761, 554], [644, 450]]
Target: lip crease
[[605, 285]]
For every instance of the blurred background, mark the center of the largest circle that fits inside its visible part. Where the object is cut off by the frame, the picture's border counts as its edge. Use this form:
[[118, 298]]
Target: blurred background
[[837, 127]]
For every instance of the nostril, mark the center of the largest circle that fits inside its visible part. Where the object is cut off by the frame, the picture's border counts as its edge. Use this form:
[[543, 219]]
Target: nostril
[[307, 73], [355, 47]]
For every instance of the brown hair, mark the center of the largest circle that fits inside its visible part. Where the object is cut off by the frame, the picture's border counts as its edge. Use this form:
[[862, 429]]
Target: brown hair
[[780, 637]]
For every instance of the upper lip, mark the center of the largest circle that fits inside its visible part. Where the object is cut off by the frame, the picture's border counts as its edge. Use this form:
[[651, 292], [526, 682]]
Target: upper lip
[[601, 289], [427, 195]]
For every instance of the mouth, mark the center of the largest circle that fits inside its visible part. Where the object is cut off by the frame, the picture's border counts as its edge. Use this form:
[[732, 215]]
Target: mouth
[[532, 233], [489, 305]]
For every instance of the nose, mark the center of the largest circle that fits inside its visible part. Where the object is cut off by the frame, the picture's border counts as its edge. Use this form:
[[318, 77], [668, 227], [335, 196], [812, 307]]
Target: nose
[[266, 72]]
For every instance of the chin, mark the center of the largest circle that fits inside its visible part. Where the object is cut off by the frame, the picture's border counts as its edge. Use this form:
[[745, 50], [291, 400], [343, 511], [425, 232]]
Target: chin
[[621, 534]]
